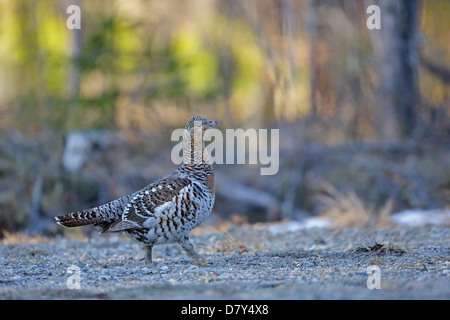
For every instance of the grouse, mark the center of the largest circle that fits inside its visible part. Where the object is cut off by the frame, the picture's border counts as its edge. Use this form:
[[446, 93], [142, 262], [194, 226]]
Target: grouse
[[166, 210]]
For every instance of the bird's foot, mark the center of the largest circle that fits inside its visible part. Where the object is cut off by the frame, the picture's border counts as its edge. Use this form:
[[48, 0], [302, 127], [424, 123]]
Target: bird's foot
[[189, 248], [198, 260], [148, 255], [150, 263]]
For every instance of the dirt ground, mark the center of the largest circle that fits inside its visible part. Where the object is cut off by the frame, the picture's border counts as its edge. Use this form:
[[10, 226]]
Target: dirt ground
[[247, 262]]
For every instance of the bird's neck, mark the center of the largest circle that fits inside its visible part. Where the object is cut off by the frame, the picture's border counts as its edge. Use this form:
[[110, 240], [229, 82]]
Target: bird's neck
[[195, 155]]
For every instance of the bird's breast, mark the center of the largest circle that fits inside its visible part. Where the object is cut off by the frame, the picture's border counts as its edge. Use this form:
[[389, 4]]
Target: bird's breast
[[210, 182]]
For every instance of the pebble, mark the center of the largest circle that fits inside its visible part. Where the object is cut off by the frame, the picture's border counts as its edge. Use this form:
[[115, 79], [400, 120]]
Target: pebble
[[313, 263]]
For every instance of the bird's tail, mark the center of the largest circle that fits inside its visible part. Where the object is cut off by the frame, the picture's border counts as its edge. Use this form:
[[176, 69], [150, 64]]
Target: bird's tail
[[98, 215], [78, 219]]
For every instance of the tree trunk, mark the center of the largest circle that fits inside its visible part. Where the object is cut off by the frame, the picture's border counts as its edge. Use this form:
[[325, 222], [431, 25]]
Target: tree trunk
[[397, 58], [74, 74]]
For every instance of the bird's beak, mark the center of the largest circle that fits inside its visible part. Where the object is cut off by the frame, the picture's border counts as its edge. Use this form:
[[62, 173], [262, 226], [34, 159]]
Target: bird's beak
[[213, 123]]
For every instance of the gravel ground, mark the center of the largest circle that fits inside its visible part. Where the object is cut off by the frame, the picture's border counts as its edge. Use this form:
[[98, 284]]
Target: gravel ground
[[243, 263]]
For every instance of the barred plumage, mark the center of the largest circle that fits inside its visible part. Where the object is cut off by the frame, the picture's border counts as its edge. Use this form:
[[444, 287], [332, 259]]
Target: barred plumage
[[165, 210]]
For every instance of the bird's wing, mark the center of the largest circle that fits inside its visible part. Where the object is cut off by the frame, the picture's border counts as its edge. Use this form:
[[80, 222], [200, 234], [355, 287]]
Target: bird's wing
[[148, 202]]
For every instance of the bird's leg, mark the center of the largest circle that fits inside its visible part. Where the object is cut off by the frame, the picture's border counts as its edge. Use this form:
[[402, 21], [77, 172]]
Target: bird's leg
[[148, 254], [189, 248]]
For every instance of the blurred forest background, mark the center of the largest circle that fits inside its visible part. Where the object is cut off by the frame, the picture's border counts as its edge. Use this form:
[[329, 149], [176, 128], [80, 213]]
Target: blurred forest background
[[86, 115]]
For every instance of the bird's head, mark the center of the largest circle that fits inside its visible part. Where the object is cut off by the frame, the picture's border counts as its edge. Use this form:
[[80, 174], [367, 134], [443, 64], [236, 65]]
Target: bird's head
[[198, 122]]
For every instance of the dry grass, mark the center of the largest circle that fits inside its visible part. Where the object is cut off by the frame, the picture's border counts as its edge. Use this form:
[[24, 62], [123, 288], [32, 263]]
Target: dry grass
[[14, 238], [381, 249], [229, 244], [348, 211]]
